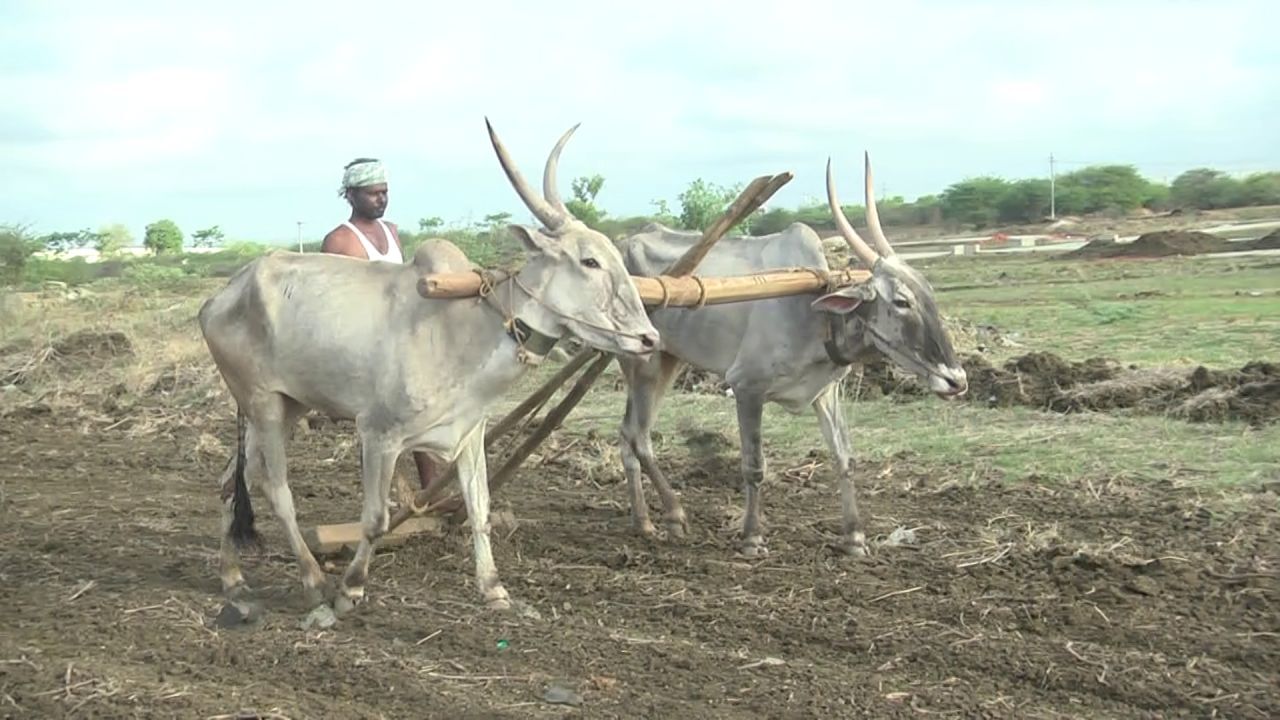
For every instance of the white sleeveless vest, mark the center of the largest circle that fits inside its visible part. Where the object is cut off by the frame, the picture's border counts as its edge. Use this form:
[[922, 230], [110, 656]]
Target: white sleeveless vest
[[393, 252]]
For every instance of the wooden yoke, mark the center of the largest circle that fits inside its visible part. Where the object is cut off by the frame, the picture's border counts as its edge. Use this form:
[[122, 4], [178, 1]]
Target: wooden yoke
[[690, 290]]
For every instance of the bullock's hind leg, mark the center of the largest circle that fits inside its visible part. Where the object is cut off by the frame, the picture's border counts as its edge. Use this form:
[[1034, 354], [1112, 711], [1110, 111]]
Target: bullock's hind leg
[[377, 469], [269, 428], [234, 586], [648, 383], [750, 419], [853, 540]]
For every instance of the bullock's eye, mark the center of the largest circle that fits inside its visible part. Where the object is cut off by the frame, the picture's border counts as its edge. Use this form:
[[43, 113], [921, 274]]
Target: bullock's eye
[[901, 303], [591, 263]]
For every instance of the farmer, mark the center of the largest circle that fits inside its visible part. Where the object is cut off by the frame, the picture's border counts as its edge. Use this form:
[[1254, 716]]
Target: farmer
[[367, 236]]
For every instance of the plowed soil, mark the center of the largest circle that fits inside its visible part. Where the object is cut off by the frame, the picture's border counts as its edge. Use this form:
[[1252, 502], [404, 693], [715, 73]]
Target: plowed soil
[[1111, 597]]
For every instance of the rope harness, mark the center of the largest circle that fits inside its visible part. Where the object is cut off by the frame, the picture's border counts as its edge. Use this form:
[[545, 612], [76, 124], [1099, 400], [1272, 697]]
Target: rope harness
[[534, 345]]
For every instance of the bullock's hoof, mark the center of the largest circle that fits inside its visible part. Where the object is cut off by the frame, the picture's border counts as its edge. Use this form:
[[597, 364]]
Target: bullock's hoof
[[237, 592], [850, 549], [677, 525], [314, 596], [345, 602], [497, 599], [754, 547], [645, 528], [854, 545]]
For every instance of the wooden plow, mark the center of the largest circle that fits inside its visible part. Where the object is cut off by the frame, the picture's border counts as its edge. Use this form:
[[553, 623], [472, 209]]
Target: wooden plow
[[676, 287]]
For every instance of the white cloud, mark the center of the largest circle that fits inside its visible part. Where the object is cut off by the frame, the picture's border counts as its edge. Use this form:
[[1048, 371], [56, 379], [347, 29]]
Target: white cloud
[[244, 114]]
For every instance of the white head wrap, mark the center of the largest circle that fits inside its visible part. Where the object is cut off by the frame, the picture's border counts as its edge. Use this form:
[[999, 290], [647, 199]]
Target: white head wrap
[[363, 174]]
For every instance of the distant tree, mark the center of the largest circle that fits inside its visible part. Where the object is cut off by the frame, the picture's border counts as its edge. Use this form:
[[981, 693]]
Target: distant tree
[[1105, 187], [1261, 189], [59, 242], [16, 247], [496, 220], [662, 212], [1024, 201], [583, 207], [1204, 189], [163, 237], [702, 203], [112, 239], [207, 237], [974, 201], [430, 225]]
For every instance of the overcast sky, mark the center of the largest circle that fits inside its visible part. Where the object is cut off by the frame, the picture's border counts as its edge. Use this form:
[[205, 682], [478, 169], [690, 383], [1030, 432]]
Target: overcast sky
[[244, 113]]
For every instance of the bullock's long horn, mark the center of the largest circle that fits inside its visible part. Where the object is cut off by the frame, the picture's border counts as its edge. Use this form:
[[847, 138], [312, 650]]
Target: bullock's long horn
[[873, 215], [545, 213], [856, 243], [550, 186]]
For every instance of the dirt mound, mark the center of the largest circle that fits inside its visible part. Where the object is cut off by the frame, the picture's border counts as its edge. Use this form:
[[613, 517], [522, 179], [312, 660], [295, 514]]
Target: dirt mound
[[71, 354], [1251, 393], [1162, 243], [93, 346], [1270, 241], [1045, 381]]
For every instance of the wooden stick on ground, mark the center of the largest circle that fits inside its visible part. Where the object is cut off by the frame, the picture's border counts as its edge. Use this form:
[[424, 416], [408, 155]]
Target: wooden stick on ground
[[748, 201]]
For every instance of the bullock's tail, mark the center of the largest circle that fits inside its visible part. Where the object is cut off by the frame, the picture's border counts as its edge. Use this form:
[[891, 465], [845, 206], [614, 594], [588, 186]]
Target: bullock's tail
[[242, 531]]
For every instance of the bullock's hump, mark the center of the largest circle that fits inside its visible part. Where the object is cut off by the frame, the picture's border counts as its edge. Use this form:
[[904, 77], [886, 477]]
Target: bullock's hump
[[654, 248]]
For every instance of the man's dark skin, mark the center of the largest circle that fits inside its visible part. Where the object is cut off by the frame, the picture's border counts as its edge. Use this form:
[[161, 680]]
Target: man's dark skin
[[367, 205]]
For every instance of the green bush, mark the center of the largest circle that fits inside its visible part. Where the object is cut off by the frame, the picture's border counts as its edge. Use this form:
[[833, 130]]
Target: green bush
[[145, 274], [16, 248]]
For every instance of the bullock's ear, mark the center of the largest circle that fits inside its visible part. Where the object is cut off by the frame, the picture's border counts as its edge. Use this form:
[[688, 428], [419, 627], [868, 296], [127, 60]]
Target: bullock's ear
[[533, 240], [845, 300]]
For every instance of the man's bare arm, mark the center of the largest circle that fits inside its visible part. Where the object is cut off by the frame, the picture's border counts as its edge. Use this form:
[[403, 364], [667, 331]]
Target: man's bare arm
[[341, 241]]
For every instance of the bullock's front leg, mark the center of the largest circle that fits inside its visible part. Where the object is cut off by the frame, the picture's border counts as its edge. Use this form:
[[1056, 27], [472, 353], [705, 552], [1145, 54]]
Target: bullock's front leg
[[648, 383], [473, 477], [853, 540], [750, 420], [377, 468]]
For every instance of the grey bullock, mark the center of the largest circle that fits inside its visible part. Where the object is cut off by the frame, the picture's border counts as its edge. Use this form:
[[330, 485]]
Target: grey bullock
[[793, 351], [355, 340]]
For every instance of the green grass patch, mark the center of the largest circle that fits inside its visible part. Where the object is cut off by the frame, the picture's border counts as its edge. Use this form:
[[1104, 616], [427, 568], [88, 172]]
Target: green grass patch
[[962, 440], [1176, 311]]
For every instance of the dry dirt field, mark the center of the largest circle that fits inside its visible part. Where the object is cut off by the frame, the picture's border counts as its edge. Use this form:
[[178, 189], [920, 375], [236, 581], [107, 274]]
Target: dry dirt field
[[1110, 589]]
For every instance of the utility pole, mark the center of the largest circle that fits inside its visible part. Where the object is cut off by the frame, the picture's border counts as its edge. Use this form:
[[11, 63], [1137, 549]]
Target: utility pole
[[1053, 195], [299, 236]]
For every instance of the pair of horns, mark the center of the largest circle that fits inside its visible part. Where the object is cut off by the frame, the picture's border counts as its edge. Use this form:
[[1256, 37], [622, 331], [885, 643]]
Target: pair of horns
[[860, 248], [551, 211], [548, 207]]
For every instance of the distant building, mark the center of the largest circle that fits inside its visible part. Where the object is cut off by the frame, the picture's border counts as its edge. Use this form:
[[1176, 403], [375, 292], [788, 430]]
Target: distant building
[[91, 254]]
